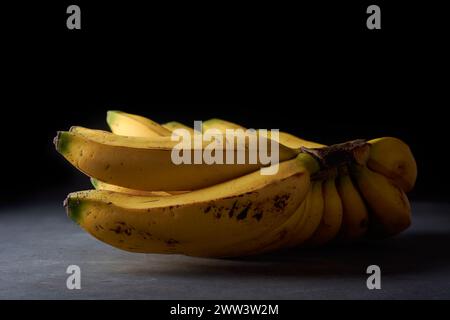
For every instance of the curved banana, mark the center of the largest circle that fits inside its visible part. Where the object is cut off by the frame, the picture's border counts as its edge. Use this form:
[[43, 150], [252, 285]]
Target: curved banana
[[355, 217], [332, 214], [285, 138], [174, 125], [127, 124], [205, 222], [389, 206], [394, 159], [146, 164], [313, 207], [220, 124]]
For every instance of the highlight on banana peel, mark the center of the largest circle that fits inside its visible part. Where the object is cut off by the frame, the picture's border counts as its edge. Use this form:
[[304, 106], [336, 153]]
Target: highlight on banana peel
[[220, 190]]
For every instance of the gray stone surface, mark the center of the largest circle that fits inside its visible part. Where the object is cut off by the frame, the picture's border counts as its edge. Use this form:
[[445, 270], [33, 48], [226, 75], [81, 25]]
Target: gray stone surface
[[37, 243]]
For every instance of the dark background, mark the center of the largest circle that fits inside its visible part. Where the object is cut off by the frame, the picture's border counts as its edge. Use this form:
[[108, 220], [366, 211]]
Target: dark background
[[311, 69]]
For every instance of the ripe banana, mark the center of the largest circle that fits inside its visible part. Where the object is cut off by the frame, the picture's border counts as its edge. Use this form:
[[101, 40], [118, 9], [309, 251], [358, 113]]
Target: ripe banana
[[319, 193], [220, 124], [394, 159], [285, 138], [174, 125], [332, 214], [127, 124], [389, 206], [144, 163], [206, 222], [355, 217]]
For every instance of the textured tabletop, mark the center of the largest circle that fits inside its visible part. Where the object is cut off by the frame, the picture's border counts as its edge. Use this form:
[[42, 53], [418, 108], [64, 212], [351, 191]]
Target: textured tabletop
[[38, 243]]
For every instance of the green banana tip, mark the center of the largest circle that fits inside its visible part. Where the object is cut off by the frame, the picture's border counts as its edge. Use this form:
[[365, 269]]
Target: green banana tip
[[94, 183], [73, 208], [61, 142], [111, 114]]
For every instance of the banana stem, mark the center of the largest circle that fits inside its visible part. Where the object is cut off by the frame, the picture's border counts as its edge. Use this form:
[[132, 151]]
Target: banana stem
[[340, 154]]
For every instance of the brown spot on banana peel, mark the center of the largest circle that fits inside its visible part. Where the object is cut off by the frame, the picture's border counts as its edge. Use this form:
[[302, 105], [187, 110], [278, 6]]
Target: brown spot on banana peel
[[172, 242], [243, 214], [281, 201], [232, 210], [121, 229], [258, 215]]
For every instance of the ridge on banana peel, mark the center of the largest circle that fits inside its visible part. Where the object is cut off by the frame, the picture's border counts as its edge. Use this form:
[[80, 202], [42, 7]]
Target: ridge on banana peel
[[209, 222], [100, 185], [145, 163]]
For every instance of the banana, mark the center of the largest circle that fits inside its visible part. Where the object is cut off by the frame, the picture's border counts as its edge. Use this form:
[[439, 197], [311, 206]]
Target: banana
[[174, 125], [394, 159], [206, 222], [355, 214], [332, 214], [389, 206], [99, 185], [285, 138], [313, 207], [270, 241], [220, 124], [127, 124], [146, 163]]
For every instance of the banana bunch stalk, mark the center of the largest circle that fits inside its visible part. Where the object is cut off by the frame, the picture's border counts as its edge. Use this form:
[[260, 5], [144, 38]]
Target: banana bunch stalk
[[143, 202]]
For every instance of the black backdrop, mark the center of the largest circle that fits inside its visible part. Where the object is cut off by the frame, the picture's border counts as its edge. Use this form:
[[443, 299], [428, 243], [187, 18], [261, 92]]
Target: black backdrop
[[312, 70]]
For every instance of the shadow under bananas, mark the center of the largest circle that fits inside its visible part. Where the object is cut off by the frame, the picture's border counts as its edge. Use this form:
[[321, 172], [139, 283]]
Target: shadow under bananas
[[405, 254]]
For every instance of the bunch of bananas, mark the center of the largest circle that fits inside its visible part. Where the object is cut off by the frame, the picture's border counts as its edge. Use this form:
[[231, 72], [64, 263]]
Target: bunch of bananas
[[143, 202]]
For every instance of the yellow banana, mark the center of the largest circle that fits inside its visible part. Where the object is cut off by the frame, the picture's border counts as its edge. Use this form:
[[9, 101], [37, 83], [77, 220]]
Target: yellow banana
[[389, 206], [313, 207], [127, 124], [355, 217], [146, 163], [270, 241], [220, 124], [173, 125], [332, 214], [394, 159], [285, 138], [205, 222]]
